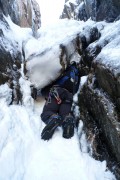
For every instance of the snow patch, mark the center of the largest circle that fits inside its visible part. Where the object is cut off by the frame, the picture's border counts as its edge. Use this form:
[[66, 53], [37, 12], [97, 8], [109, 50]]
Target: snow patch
[[5, 94]]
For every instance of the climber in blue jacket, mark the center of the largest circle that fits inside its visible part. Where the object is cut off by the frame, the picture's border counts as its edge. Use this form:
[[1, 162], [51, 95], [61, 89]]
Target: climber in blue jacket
[[57, 109]]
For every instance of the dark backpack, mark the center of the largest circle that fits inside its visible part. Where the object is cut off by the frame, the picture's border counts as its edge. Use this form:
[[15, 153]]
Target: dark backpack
[[70, 78]]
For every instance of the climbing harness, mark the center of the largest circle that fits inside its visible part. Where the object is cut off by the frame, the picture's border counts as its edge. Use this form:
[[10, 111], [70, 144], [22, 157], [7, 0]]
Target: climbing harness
[[53, 93], [56, 95], [72, 76]]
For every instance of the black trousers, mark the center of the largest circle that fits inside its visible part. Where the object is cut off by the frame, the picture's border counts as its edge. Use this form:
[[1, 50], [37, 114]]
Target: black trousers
[[63, 109]]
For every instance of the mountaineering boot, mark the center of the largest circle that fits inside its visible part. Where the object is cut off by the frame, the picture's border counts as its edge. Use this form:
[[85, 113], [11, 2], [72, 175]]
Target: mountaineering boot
[[53, 123], [68, 127]]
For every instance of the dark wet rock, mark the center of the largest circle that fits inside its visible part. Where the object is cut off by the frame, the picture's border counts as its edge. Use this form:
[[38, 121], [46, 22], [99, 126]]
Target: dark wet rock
[[69, 11], [104, 112], [95, 43], [96, 10], [3, 78], [92, 34], [90, 53], [101, 123], [9, 50], [82, 15], [108, 81], [7, 59], [13, 82], [107, 10], [33, 92], [10, 57]]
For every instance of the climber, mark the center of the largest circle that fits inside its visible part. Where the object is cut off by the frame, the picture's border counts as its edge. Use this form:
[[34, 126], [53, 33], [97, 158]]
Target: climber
[[57, 109]]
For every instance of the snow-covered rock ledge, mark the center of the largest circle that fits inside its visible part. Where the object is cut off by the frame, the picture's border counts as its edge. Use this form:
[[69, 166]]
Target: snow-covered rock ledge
[[102, 57], [57, 45]]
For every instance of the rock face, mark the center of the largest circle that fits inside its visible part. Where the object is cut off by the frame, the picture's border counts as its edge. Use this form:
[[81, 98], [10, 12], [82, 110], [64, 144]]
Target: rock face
[[23, 13], [96, 107], [10, 60], [94, 9], [102, 10], [100, 97], [70, 10]]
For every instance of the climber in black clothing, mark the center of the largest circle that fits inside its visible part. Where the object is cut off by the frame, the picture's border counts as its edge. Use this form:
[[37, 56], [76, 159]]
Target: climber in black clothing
[[57, 109]]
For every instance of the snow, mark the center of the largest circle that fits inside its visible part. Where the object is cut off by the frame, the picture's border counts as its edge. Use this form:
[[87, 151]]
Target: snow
[[45, 51], [20, 34], [71, 1], [23, 155], [44, 69], [5, 94], [109, 56], [82, 82], [27, 100], [14, 36], [60, 32]]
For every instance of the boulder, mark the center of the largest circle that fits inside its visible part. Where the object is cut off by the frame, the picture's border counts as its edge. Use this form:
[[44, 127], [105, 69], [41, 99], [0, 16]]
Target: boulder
[[55, 60], [56, 55]]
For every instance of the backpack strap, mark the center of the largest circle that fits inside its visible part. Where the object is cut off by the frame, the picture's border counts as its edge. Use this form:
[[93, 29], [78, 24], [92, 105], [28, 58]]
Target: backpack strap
[[62, 80], [74, 75]]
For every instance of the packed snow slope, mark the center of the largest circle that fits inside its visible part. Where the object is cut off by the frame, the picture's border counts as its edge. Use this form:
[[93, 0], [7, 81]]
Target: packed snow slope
[[23, 155]]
